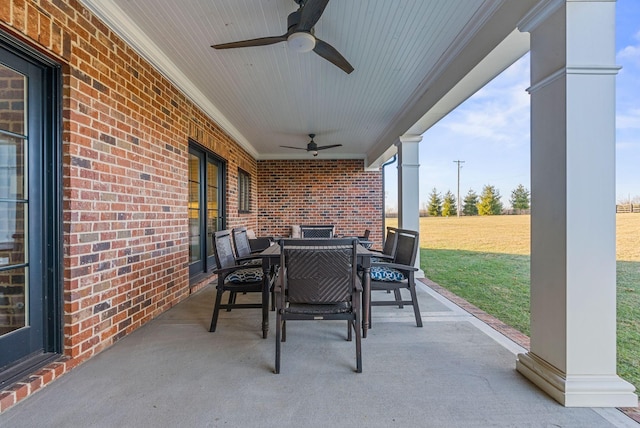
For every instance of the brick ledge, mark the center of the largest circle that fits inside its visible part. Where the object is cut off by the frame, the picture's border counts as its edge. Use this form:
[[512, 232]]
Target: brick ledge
[[36, 381]]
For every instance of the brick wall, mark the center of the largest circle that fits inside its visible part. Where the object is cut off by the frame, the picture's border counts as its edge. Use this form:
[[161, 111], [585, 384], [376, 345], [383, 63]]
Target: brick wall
[[338, 192], [125, 145]]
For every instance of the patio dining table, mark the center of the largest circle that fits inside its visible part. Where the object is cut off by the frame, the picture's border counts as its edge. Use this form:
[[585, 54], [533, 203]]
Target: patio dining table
[[271, 258]]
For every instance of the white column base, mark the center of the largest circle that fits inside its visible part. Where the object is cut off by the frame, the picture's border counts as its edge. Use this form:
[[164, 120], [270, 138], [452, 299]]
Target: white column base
[[577, 390]]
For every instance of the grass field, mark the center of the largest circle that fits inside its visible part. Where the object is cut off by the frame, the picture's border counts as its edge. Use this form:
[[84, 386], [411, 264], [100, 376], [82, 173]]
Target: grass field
[[485, 260]]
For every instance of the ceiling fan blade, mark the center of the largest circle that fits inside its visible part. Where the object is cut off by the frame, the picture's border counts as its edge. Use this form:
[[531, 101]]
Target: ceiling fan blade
[[297, 148], [310, 14], [328, 52], [328, 147], [262, 41]]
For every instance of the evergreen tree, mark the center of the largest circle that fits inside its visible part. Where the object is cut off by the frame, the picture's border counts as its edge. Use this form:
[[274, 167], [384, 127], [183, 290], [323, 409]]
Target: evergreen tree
[[470, 206], [435, 203], [520, 198], [449, 205], [489, 201]]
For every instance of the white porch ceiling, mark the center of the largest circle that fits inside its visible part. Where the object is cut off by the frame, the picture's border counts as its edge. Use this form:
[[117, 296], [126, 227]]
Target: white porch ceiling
[[408, 55]]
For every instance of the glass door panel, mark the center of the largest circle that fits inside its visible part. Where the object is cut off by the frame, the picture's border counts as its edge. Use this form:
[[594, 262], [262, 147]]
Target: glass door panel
[[14, 268], [213, 214], [195, 229]]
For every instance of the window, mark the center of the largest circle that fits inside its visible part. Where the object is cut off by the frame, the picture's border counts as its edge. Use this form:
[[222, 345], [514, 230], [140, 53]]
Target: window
[[244, 191]]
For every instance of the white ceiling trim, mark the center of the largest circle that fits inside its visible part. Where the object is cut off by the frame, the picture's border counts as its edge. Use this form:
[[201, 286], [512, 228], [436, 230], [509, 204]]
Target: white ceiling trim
[[445, 93], [504, 55], [539, 14], [125, 28], [386, 145], [463, 38]]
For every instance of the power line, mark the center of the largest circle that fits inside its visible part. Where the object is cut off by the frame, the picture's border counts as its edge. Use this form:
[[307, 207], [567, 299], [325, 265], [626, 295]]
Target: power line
[[459, 162]]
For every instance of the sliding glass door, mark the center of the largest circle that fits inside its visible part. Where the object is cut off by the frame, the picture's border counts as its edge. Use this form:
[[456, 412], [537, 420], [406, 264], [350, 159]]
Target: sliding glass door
[[205, 208]]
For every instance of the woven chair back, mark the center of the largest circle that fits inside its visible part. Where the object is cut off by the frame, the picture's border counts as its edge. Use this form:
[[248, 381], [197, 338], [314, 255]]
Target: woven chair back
[[223, 249], [317, 231], [241, 242], [407, 247], [320, 273]]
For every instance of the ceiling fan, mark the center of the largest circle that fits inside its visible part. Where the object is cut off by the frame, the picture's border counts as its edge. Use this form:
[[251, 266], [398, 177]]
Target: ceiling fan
[[312, 146], [300, 35]]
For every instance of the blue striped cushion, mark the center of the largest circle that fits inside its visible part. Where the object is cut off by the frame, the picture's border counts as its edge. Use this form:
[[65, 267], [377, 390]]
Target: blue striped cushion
[[383, 273], [245, 275]]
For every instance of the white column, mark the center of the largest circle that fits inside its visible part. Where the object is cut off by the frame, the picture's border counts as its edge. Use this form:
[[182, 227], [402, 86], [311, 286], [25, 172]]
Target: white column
[[409, 184], [573, 258]]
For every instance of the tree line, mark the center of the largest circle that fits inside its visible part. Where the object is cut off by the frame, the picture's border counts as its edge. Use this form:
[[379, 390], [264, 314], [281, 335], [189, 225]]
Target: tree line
[[487, 203]]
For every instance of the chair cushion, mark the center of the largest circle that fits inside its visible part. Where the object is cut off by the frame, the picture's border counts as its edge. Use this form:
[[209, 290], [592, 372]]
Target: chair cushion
[[245, 275], [383, 273]]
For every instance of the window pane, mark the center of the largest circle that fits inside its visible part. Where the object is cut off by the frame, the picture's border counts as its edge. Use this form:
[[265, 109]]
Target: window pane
[[12, 167], [12, 100], [194, 209], [244, 191], [212, 175], [12, 233], [212, 204], [13, 290], [194, 248], [212, 223]]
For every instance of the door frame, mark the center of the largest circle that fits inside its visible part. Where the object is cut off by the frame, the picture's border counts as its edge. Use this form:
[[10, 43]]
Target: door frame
[[208, 263], [49, 193]]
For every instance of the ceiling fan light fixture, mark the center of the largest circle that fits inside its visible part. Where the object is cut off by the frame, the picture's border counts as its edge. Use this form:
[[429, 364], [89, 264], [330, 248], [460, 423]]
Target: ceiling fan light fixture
[[301, 42]]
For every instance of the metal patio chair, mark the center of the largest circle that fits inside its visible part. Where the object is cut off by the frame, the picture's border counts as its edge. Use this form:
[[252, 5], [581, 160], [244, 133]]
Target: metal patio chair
[[389, 249], [317, 231], [242, 245], [234, 277], [318, 281], [398, 274]]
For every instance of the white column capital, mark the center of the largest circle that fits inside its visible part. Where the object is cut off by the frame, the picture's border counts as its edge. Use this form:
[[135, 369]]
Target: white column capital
[[410, 138], [543, 10]]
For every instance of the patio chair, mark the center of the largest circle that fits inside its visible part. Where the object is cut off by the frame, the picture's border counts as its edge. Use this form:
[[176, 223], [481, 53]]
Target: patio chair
[[242, 246], [365, 235], [317, 231], [234, 277], [318, 281], [389, 249], [364, 239], [398, 274], [387, 254], [247, 249], [259, 243]]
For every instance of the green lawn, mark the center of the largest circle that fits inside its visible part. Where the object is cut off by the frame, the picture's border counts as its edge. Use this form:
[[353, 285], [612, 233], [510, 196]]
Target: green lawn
[[496, 283], [485, 260]]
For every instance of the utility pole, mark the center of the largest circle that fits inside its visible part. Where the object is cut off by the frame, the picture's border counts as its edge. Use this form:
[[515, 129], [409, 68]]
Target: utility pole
[[459, 162]]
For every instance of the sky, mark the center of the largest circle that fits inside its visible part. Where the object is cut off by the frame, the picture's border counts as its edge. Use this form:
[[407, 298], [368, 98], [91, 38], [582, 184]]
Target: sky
[[490, 131]]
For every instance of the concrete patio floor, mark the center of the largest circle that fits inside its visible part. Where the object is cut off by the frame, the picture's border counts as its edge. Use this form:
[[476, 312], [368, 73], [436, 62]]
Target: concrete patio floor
[[454, 372]]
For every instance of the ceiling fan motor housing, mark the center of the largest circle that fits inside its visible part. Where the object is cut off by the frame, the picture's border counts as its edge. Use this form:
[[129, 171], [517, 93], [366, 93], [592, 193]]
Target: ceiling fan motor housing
[[301, 42]]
